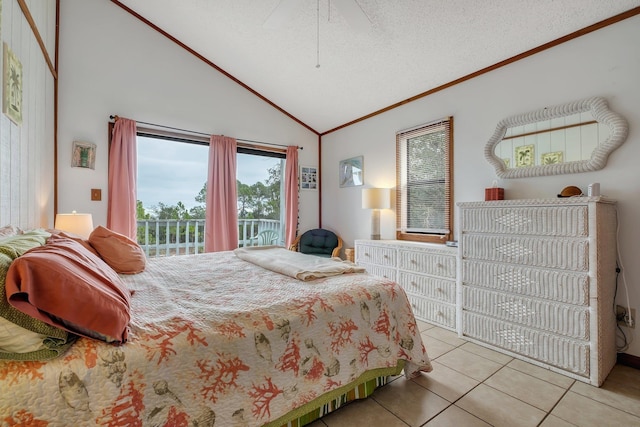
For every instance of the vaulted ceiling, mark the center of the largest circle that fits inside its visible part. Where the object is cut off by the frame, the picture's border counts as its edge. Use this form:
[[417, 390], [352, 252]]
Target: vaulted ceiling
[[330, 62]]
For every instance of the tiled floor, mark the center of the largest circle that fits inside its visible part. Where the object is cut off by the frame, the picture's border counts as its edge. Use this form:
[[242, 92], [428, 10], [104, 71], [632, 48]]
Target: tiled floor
[[473, 386]]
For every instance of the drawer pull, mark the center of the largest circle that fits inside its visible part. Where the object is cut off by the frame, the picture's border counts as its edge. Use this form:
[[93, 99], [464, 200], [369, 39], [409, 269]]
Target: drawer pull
[[385, 256], [439, 313], [414, 284], [366, 254], [439, 290], [413, 261]]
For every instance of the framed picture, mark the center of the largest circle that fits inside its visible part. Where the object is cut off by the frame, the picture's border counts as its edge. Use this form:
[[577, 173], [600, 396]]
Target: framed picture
[[308, 178], [552, 158], [83, 155], [351, 172], [525, 156], [507, 162], [12, 87]]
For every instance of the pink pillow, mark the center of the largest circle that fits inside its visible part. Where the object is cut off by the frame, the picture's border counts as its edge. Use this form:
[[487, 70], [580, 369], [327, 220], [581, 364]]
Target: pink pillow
[[120, 252], [75, 237], [66, 286]]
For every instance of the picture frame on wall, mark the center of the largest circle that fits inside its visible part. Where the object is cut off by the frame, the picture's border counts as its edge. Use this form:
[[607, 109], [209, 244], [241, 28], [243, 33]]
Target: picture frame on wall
[[553, 158], [308, 178], [12, 86], [525, 155], [351, 172], [83, 155]]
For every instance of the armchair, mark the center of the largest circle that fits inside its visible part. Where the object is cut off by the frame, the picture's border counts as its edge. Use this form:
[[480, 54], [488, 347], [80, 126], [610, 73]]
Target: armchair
[[318, 242]]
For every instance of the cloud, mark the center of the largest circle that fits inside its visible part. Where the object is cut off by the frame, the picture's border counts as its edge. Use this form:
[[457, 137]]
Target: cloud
[[170, 172]]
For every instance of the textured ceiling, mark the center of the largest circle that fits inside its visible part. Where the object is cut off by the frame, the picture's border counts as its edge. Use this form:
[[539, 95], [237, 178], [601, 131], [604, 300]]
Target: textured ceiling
[[410, 47]]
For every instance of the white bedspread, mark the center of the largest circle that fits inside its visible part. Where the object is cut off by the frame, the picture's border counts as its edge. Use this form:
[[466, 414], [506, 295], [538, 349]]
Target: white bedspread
[[295, 264]]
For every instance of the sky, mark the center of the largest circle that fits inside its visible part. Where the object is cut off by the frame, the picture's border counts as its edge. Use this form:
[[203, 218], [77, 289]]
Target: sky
[[170, 171]]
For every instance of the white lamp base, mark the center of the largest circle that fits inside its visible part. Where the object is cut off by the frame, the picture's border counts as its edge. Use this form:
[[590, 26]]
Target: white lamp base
[[375, 224]]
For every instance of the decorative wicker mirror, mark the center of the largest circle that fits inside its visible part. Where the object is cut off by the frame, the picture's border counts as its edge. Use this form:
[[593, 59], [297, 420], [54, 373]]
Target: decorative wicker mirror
[[568, 138]]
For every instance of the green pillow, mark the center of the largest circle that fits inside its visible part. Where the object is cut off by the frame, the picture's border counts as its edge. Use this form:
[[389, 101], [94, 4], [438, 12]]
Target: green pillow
[[58, 340]]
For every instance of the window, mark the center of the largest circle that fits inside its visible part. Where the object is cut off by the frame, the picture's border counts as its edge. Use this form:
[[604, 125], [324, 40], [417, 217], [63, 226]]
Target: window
[[424, 182], [171, 192]]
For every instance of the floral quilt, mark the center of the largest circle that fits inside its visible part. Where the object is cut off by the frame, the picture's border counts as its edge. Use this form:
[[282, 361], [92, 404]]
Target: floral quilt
[[217, 340]]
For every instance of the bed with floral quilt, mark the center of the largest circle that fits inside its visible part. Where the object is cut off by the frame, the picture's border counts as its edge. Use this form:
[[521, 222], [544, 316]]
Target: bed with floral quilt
[[197, 340]]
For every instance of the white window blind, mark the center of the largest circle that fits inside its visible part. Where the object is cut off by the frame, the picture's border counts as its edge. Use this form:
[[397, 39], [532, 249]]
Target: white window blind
[[424, 197]]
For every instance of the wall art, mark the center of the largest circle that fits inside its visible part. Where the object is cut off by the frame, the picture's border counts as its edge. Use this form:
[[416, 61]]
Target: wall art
[[83, 155], [308, 178], [12, 87], [351, 172]]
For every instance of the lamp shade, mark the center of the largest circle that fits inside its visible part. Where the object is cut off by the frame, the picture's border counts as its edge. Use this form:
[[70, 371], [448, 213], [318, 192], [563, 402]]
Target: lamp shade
[[76, 223], [376, 198]]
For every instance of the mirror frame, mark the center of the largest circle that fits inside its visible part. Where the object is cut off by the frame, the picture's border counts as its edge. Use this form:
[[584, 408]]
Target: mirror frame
[[618, 130]]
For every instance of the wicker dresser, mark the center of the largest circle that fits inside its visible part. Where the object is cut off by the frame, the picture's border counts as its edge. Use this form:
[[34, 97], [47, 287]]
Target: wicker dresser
[[427, 273], [537, 281]]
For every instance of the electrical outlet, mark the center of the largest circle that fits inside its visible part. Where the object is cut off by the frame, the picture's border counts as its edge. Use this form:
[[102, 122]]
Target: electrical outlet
[[625, 318]]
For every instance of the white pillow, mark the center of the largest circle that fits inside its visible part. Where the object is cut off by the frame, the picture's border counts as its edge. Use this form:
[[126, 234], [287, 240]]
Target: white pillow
[[16, 339]]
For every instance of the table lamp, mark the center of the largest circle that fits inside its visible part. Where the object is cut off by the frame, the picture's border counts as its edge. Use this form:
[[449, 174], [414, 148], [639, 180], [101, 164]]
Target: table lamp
[[80, 224], [376, 199]]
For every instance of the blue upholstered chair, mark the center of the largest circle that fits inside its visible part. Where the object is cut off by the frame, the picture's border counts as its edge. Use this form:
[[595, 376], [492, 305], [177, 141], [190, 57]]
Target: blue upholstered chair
[[318, 242]]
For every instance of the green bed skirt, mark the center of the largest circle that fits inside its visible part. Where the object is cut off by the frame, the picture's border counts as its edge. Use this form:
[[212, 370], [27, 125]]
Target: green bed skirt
[[361, 388]]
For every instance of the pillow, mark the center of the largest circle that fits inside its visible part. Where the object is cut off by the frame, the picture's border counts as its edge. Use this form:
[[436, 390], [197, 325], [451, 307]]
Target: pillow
[[9, 230], [79, 239], [17, 244], [20, 333], [120, 252], [16, 339], [66, 286]]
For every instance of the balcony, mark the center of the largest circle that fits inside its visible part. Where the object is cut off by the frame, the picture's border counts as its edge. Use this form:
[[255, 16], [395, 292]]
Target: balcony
[[168, 237]]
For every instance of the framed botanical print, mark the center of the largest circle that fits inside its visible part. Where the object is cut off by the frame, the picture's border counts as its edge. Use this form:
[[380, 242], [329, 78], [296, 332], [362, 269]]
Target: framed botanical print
[[12, 86], [525, 156], [83, 155], [552, 158]]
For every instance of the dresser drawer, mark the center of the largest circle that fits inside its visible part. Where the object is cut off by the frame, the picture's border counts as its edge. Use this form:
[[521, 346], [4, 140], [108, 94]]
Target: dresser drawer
[[569, 221], [430, 287], [380, 255], [568, 320], [566, 254], [432, 312], [564, 353], [556, 285], [427, 263], [377, 270]]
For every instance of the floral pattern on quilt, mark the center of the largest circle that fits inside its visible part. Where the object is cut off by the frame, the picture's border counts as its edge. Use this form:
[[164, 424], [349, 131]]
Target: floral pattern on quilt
[[218, 341]]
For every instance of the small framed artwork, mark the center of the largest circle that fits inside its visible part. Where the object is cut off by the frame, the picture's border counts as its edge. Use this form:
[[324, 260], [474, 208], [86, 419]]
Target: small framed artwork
[[351, 172], [525, 156], [552, 158], [12, 86], [83, 155], [308, 178], [507, 162]]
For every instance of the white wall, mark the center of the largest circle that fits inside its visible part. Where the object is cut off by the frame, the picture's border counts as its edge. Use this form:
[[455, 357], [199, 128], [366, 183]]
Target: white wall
[[27, 149], [112, 63], [604, 63]]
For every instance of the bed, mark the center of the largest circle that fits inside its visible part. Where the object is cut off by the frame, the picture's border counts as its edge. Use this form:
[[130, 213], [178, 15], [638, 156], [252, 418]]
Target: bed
[[214, 339]]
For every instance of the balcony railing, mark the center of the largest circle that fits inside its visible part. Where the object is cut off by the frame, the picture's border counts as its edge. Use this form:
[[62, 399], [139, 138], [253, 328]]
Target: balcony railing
[[168, 237]]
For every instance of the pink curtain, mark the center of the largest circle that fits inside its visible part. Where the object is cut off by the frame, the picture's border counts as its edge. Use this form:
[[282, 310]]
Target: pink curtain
[[291, 195], [123, 169], [221, 223]]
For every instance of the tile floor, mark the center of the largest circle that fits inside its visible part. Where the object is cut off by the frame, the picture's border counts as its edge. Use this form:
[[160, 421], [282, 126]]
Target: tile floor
[[473, 386]]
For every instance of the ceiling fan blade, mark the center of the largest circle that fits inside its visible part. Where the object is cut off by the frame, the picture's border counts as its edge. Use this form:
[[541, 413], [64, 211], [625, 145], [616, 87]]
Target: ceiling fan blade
[[281, 14], [354, 14]]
